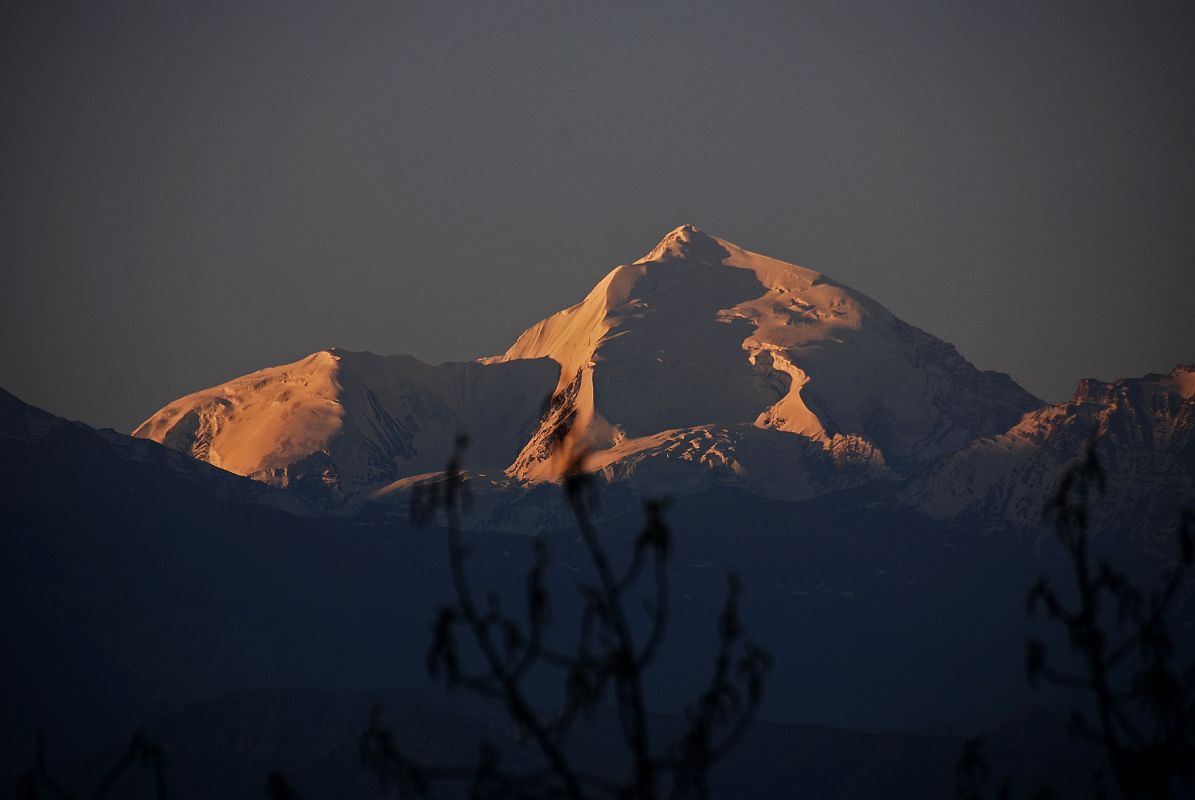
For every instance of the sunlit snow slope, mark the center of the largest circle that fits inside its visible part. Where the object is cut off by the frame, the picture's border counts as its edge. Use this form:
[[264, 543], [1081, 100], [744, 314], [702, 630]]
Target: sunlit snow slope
[[337, 423]]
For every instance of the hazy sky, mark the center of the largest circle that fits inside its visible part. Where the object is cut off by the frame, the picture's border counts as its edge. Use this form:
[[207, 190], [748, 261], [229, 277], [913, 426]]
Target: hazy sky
[[190, 191]]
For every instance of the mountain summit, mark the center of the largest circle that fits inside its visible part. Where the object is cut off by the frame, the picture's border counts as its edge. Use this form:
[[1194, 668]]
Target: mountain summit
[[697, 349], [687, 243], [700, 361]]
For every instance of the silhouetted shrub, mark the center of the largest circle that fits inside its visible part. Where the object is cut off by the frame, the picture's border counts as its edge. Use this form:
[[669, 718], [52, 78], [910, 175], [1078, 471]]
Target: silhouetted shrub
[[40, 781], [606, 660], [1140, 703]]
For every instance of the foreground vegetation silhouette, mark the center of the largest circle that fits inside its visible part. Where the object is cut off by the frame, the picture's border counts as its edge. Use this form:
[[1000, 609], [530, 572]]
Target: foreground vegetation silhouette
[[40, 781], [1139, 700], [607, 659]]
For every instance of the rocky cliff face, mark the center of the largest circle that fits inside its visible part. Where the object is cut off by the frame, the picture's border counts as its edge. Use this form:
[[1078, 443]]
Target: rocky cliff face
[[1143, 433]]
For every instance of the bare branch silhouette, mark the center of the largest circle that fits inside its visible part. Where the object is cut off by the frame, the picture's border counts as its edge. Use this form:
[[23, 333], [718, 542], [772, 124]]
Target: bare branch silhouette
[[607, 659], [1143, 702], [40, 781]]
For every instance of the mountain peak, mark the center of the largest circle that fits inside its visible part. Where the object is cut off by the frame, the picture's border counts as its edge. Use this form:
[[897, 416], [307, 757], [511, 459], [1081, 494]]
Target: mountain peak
[[687, 243], [686, 232], [702, 339]]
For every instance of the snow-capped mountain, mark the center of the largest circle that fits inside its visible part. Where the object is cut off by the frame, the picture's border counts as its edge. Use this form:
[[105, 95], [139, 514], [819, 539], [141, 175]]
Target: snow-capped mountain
[[1145, 438], [770, 374], [338, 423], [701, 362]]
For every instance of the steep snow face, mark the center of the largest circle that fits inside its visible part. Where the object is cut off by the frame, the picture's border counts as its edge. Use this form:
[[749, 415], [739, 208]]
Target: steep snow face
[[1144, 430], [264, 420], [23, 424], [338, 423], [702, 341]]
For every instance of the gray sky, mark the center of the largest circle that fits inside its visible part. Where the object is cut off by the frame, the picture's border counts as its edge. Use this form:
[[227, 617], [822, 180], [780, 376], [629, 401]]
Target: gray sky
[[190, 191]]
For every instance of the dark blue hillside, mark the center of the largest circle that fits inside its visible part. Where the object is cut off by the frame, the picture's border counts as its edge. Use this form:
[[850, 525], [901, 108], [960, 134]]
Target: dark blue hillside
[[132, 591]]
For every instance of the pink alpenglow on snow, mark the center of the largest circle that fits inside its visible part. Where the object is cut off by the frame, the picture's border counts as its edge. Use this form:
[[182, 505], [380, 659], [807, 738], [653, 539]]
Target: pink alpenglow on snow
[[700, 362]]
